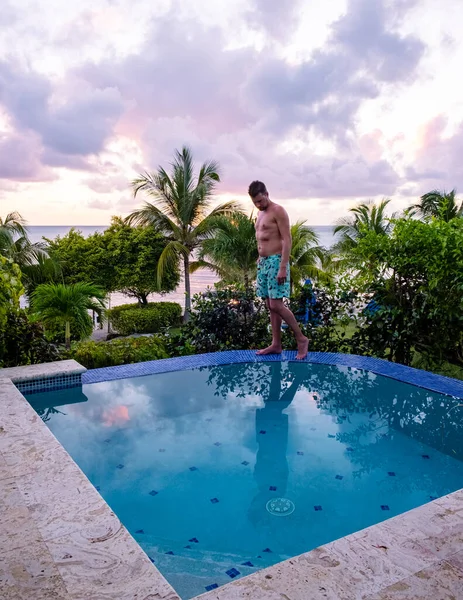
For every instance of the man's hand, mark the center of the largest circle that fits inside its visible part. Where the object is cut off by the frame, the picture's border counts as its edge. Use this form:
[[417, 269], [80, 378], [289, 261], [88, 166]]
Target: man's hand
[[281, 275]]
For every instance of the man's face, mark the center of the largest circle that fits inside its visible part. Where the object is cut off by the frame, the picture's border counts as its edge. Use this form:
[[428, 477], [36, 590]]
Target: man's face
[[261, 201]]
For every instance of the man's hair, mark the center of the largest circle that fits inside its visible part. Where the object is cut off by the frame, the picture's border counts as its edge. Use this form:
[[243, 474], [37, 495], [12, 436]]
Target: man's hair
[[256, 188]]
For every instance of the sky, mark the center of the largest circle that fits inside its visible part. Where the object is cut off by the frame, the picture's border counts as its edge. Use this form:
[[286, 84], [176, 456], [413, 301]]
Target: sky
[[329, 103]]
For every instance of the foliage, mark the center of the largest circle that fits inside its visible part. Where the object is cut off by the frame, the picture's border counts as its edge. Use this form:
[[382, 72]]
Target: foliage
[[226, 319], [418, 285], [10, 284], [179, 209], [55, 333], [125, 351], [63, 304], [152, 318], [439, 205], [331, 308], [22, 342], [366, 217], [32, 258], [122, 258], [232, 251], [306, 256]]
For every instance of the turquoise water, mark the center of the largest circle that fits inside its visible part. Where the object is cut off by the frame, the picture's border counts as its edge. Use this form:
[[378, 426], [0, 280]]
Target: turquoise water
[[194, 462]]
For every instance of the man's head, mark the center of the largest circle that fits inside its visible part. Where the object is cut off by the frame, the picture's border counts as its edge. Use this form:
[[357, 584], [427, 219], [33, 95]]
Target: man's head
[[259, 195]]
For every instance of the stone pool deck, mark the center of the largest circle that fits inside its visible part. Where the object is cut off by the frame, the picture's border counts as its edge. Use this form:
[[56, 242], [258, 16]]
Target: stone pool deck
[[60, 540]]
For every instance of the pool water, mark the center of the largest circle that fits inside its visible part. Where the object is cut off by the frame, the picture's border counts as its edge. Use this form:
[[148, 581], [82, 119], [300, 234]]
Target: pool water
[[223, 470]]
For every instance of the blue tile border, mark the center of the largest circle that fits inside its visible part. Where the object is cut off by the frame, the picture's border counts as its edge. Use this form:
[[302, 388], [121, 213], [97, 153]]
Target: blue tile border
[[48, 384], [417, 377]]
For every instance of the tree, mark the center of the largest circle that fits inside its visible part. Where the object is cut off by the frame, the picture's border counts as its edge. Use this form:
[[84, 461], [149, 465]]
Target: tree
[[179, 209], [307, 257], [32, 258], [60, 303], [122, 258], [439, 205], [365, 217], [232, 251], [133, 254]]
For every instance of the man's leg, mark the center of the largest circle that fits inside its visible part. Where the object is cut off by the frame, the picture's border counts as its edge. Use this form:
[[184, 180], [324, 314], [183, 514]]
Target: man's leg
[[275, 322], [277, 306]]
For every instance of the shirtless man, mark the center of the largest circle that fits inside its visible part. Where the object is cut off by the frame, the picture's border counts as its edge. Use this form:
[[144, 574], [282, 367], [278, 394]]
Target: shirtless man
[[274, 245]]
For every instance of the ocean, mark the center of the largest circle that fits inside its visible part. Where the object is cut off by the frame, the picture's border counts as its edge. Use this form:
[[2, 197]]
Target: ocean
[[199, 280]]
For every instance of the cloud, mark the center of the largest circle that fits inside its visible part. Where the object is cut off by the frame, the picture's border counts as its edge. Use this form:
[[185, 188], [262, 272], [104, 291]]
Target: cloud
[[105, 185], [438, 161], [278, 18], [20, 159], [100, 204]]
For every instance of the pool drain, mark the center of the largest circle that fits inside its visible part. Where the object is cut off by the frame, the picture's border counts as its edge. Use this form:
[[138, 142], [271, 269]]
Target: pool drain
[[280, 507]]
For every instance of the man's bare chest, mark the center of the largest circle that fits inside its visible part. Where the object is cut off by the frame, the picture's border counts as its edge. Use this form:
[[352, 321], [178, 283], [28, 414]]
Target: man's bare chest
[[265, 224]]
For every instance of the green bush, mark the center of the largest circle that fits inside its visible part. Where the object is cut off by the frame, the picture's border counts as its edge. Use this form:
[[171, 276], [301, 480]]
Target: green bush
[[55, 332], [22, 342], [227, 319], [130, 318], [124, 351]]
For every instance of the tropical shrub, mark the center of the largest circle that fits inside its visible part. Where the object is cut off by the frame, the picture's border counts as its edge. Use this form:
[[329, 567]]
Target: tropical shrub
[[23, 342], [152, 318], [226, 319], [124, 351]]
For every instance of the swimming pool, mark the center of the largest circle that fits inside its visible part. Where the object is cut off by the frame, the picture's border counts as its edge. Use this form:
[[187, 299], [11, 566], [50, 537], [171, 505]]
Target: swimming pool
[[222, 470]]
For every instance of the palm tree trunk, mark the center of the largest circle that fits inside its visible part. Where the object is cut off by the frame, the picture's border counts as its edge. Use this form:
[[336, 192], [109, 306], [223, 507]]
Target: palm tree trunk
[[186, 267], [67, 335]]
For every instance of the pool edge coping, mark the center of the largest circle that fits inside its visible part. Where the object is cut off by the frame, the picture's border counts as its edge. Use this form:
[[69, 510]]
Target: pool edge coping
[[27, 441]]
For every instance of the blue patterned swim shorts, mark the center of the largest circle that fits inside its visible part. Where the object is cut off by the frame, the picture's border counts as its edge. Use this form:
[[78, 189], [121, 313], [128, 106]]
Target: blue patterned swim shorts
[[267, 284]]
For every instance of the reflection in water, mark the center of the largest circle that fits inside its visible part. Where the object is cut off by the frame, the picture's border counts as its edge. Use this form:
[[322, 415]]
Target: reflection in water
[[194, 455], [271, 468]]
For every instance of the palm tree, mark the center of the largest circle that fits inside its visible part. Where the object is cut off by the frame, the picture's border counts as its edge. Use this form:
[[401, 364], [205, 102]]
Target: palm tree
[[232, 252], [32, 258], [367, 216], [60, 303], [180, 209], [440, 205], [306, 257]]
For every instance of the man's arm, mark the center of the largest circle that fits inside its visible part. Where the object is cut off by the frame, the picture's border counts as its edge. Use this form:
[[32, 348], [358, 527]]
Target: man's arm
[[282, 220]]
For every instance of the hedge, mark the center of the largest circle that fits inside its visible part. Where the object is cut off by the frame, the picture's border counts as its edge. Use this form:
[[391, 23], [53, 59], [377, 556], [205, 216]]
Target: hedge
[[94, 355], [130, 318]]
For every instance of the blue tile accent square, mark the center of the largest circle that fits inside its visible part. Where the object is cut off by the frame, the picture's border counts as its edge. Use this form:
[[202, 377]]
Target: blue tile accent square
[[153, 493], [214, 500], [266, 550], [139, 531], [262, 431], [272, 488], [433, 497], [330, 435], [193, 468], [120, 467], [209, 420], [318, 508], [339, 477], [245, 463], [384, 507], [299, 453], [232, 573], [195, 540], [425, 456], [151, 559], [391, 473], [107, 441], [162, 449], [213, 586], [247, 564], [217, 444], [313, 429], [188, 546], [97, 488], [349, 449], [170, 552]]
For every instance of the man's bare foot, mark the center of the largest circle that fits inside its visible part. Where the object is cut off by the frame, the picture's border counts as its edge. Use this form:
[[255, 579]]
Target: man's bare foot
[[302, 349], [273, 349]]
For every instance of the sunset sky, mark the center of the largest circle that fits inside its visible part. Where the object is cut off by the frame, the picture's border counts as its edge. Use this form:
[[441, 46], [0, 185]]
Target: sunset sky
[[329, 101]]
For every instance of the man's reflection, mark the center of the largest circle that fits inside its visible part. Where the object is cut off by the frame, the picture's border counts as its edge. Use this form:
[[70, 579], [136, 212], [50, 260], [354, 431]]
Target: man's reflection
[[271, 470]]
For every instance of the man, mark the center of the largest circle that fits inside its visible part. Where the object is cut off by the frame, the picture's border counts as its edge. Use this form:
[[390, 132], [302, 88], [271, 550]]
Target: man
[[274, 245]]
